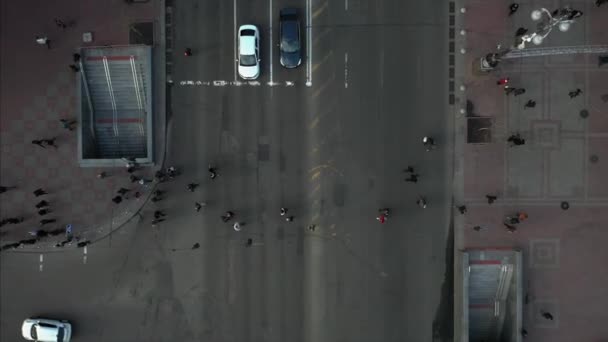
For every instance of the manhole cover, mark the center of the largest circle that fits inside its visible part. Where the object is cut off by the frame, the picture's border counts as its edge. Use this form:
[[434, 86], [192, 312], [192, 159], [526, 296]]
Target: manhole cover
[[565, 205], [584, 113], [594, 159]]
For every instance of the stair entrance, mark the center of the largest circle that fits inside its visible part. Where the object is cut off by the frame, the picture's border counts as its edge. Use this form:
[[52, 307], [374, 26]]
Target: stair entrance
[[116, 105]]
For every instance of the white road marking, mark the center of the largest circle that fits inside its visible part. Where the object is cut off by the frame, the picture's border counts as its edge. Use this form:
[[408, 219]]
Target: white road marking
[[309, 43], [41, 266], [346, 70], [271, 41], [419, 70], [382, 68], [84, 257], [234, 37], [223, 83], [346, 5]]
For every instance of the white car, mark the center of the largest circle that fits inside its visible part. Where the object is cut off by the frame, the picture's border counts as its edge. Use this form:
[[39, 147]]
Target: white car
[[249, 52], [46, 330]]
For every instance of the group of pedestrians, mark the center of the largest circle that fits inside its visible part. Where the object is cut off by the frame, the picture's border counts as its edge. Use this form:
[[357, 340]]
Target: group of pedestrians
[[45, 142], [43, 208]]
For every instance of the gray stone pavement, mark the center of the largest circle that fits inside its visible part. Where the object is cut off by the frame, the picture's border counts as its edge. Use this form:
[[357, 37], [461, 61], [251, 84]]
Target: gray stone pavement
[[38, 89], [563, 159]]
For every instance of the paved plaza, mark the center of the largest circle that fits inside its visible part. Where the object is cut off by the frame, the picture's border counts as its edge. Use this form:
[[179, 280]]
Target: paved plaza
[[563, 160]]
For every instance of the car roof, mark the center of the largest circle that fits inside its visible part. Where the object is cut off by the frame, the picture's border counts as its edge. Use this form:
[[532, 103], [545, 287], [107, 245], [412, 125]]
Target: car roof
[[247, 45], [46, 333], [289, 29]]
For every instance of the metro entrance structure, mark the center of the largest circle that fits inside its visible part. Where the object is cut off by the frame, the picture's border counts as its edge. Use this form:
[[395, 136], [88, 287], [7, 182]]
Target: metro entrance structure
[[115, 92]]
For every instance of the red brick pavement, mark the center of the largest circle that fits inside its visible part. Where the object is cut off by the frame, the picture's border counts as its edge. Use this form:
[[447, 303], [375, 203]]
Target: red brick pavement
[[37, 89], [564, 251]]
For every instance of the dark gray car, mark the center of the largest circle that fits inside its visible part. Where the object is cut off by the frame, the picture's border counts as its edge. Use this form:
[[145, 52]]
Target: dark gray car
[[290, 43]]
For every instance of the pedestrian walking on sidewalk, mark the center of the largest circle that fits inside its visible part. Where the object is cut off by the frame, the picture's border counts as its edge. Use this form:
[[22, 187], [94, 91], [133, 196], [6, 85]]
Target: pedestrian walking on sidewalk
[[198, 206], [521, 32], [123, 191], [237, 226], [502, 81], [76, 57], [513, 8], [599, 3], [530, 104], [312, 227], [491, 198], [421, 201], [575, 93], [191, 186], [249, 242], [227, 216], [39, 192], [212, 172], [47, 221], [510, 228], [74, 68], [143, 181], [188, 52], [15, 220], [516, 140], [134, 178], [289, 218], [547, 315], [42, 204], [383, 214], [68, 124], [38, 142], [412, 178], [117, 199], [4, 189], [462, 209], [574, 14], [283, 211], [522, 216], [43, 212], [50, 142], [158, 214], [43, 41], [519, 91], [60, 24]]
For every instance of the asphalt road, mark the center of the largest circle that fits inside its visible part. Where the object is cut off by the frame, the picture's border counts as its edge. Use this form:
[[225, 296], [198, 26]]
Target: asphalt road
[[328, 141]]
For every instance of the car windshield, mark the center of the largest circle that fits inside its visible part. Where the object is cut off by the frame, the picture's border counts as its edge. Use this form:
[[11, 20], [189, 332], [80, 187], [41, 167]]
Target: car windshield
[[248, 60], [33, 332], [290, 45]]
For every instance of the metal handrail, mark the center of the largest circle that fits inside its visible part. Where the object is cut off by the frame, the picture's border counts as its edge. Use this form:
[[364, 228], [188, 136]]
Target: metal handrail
[[87, 91], [135, 74], [111, 93]]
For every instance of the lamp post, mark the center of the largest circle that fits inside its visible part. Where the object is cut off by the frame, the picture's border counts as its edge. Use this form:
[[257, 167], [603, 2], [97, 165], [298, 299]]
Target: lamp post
[[562, 18]]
